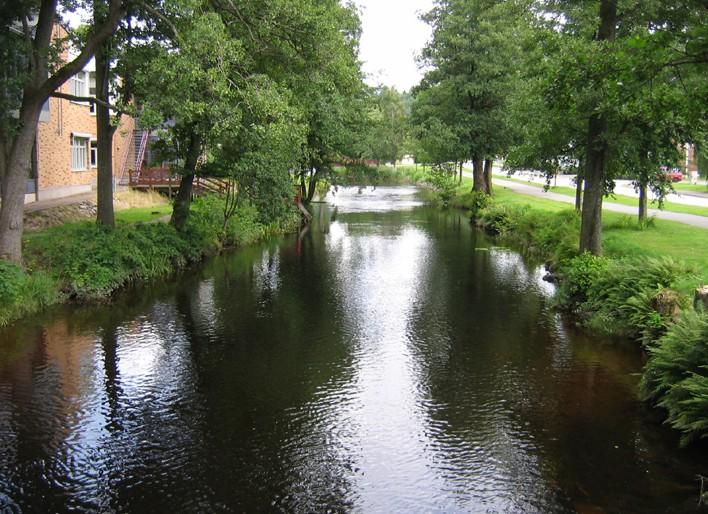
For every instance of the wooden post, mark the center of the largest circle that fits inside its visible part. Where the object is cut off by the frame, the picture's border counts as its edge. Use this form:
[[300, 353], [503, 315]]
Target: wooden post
[[700, 299]]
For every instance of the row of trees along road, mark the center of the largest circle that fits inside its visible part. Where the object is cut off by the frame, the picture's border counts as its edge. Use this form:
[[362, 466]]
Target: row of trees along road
[[609, 87], [248, 91]]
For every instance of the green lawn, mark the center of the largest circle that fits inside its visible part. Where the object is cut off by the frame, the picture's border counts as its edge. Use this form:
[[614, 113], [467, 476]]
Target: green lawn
[[701, 187], [623, 237], [620, 199], [143, 214]]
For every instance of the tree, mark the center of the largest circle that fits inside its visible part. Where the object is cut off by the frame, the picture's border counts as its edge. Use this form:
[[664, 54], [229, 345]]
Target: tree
[[612, 62], [472, 56], [188, 90], [256, 157], [28, 87], [385, 131], [308, 47]]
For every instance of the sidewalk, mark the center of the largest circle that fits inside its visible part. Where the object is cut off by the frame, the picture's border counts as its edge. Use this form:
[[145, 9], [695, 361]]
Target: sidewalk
[[688, 219], [58, 202]]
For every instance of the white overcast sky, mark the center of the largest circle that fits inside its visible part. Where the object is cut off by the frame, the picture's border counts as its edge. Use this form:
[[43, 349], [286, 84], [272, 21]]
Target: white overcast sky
[[392, 37]]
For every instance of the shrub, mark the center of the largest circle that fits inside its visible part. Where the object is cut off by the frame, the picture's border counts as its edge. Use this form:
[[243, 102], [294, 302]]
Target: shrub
[[676, 375], [578, 274], [444, 183], [474, 201], [499, 220], [553, 236], [21, 294], [92, 262], [635, 298]]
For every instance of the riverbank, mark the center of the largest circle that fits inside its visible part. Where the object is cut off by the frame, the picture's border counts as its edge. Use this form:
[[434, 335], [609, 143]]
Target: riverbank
[[82, 262], [641, 290]]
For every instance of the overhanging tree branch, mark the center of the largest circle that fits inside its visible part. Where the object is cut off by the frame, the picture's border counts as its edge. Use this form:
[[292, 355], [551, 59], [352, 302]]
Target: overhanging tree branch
[[116, 11], [88, 99]]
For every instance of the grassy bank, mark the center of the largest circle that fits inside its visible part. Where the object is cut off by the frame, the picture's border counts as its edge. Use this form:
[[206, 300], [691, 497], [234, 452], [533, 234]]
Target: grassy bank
[[84, 262], [641, 290]]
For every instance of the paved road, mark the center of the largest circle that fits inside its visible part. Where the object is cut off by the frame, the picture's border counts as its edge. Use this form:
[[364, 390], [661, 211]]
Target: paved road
[[688, 219], [622, 187]]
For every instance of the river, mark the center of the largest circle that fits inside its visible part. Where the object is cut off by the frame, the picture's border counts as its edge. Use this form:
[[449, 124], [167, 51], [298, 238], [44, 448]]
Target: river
[[390, 359]]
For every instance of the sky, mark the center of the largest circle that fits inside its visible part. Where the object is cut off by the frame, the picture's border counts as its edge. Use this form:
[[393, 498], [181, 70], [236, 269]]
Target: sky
[[392, 37]]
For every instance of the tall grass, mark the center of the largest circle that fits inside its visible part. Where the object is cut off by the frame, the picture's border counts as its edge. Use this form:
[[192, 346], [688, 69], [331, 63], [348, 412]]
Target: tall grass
[[85, 262], [22, 293]]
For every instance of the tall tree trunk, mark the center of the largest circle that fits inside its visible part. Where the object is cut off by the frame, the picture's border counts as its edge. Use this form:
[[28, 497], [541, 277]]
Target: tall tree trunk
[[41, 83], [597, 152], [459, 180], [17, 171], [478, 182], [303, 186], [591, 223], [104, 131], [578, 193], [643, 203], [183, 200], [488, 165]]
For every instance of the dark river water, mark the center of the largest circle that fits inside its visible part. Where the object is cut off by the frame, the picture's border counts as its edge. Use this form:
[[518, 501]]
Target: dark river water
[[391, 359]]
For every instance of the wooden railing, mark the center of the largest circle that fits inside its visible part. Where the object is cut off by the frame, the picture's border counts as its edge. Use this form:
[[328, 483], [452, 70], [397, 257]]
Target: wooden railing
[[164, 178]]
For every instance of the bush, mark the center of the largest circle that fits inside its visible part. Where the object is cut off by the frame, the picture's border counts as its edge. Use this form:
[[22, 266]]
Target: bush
[[499, 220], [578, 275], [473, 201], [635, 298], [552, 236], [83, 261], [676, 375], [92, 262], [22, 294], [444, 183]]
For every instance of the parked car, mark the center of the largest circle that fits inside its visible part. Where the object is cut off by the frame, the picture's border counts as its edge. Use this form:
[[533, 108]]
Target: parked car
[[673, 175]]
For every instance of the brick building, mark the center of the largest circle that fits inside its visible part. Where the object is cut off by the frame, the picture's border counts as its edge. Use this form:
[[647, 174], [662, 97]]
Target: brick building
[[65, 160]]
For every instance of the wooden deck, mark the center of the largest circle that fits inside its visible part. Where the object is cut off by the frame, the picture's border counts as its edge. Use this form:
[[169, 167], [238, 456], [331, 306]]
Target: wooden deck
[[164, 180]]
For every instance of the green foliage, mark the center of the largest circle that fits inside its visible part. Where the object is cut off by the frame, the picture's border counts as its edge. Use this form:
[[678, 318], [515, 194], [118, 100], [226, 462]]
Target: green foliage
[[355, 174], [460, 110], [473, 201], [552, 236], [385, 130], [22, 293], [90, 262], [635, 298], [676, 375], [444, 183], [579, 273]]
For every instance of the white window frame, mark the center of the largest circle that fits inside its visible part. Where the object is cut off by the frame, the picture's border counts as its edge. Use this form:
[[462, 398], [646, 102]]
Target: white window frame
[[79, 85], [80, 144], [92, 105], [93, 153]]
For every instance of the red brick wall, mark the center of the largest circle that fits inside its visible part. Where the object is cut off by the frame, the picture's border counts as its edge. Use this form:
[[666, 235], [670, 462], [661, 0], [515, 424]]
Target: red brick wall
[[54, 141]]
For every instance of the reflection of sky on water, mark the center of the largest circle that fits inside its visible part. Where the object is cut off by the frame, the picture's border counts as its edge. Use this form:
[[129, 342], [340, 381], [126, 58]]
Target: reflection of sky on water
[[393, 363]]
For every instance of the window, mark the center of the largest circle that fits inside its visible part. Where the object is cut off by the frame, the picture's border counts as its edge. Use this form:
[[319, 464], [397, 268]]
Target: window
[[44, 116], [78, 85], [92, 90], [93, 157], [79, 153]]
